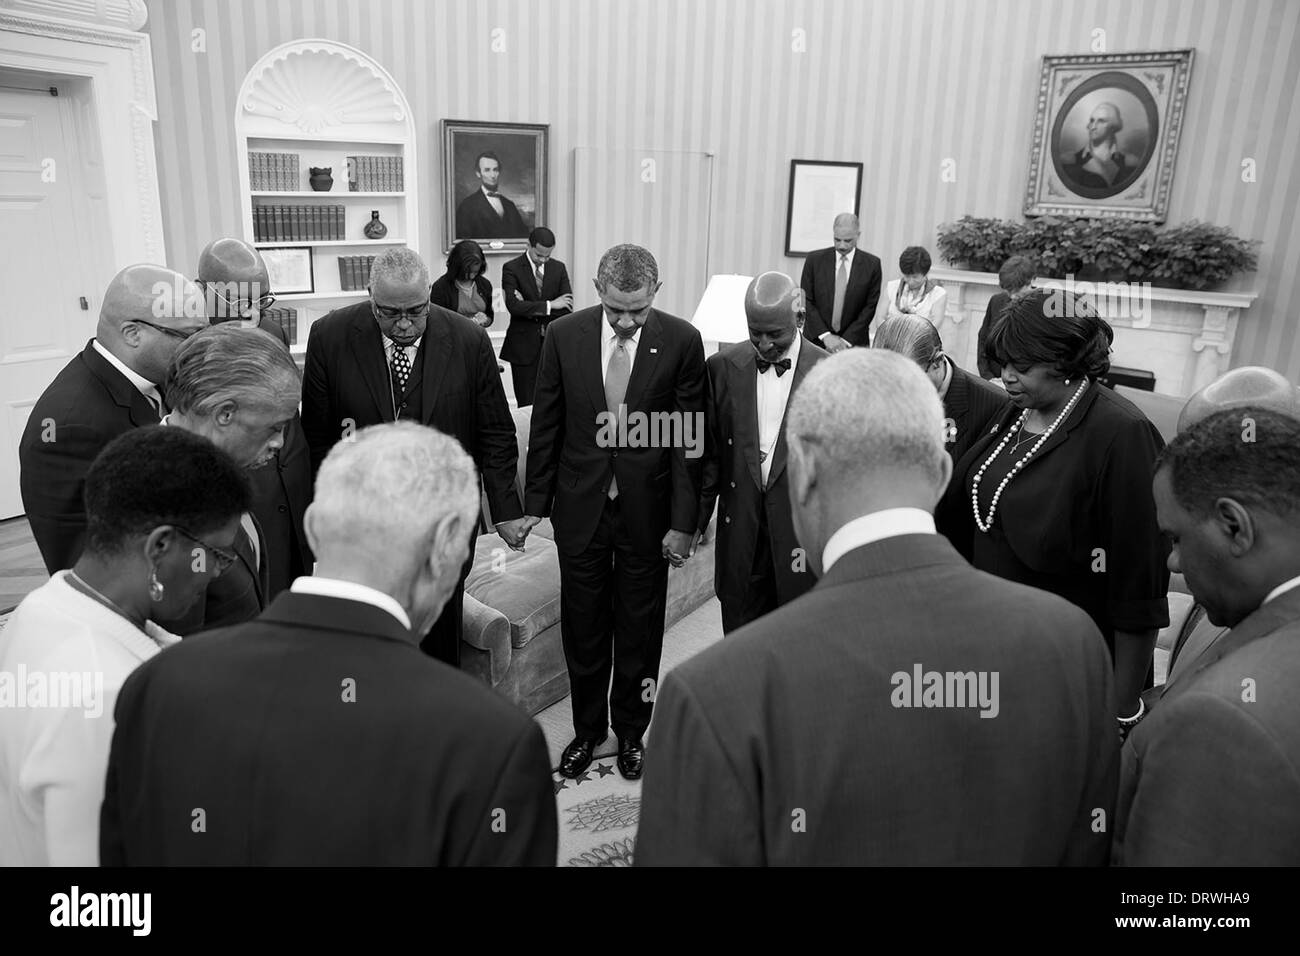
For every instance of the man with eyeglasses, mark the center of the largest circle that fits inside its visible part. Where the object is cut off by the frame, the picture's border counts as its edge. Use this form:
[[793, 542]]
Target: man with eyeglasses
[[398, 357], [240, 390], [109, 388], [236, 286]]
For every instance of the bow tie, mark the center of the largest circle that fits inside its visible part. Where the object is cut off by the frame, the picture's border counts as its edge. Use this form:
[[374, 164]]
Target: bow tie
[[492, 192], [782, 366]]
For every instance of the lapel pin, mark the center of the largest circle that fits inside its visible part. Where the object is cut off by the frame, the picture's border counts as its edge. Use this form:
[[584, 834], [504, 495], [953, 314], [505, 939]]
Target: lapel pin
[[654, 351]]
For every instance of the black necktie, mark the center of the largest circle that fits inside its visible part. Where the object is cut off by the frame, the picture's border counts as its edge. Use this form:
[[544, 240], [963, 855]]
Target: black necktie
[[401, 368], [782, 366]]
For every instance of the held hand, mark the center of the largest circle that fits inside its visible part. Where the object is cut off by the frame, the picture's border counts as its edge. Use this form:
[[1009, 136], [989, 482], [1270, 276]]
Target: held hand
[[677, 547], [698, 539], [835, 344], [514, 532], [482, 319], [563, 302], [530, 522]]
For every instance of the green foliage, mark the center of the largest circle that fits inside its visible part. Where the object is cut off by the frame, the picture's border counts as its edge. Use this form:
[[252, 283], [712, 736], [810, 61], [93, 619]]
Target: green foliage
[[1194, 255]]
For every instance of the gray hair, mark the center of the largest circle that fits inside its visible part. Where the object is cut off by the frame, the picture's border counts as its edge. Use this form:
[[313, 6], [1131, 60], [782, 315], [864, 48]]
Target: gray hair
[[847, 219], [864, 409], [389, 486], [912, 336], [399, 265], [227, 363], [628, 268], [1114, 112]]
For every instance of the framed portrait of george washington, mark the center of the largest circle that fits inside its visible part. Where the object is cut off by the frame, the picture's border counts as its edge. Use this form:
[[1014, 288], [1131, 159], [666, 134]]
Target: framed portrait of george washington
[[1106, 130], [494, 183]]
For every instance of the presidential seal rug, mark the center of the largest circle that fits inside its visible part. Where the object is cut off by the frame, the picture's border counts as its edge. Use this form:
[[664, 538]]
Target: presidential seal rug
[[598, 816]]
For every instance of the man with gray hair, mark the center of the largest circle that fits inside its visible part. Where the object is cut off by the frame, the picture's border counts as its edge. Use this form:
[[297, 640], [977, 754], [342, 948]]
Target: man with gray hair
[[240, 391], [908, 710], [841, 287], [328, 739], [620, 394], [399, 357], [112, 386]]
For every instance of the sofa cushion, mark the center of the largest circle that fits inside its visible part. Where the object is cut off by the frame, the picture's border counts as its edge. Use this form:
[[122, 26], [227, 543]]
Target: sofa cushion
[[524, 586]]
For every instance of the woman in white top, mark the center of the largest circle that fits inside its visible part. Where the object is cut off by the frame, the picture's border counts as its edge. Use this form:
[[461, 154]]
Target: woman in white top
[[162, 506], [915, 293]]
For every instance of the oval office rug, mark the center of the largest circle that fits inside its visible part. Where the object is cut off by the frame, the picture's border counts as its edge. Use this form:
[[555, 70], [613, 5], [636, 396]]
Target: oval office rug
[[598, 816]]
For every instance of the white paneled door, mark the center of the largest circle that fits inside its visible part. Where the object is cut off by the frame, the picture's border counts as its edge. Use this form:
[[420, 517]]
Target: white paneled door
[[42, 322], [655, 198]]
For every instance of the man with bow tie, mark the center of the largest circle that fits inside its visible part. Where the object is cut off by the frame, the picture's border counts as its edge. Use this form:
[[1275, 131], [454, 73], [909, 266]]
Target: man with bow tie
[[758, 562], [486, 213]]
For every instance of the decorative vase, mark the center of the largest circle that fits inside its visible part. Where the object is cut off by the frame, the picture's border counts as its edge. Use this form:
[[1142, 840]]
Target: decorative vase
[[374, 228], [321, 179]]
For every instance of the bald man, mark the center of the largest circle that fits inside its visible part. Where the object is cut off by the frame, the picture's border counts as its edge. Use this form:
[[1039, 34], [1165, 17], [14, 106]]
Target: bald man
[[841, 287], [757, 564], [111, 387], [1250, 385], [237, 287]]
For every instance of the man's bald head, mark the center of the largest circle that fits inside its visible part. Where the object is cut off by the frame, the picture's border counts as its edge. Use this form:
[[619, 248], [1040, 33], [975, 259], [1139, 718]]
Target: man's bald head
[[1248, 385], [235, 277], [773, 309], [148, 310]]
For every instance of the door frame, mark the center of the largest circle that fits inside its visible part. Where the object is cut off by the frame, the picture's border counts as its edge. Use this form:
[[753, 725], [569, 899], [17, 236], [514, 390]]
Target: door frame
[[118, 64]]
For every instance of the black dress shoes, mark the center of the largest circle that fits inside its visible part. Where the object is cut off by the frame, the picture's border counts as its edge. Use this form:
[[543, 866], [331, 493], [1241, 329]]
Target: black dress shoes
[[577, 756], [631, 758]]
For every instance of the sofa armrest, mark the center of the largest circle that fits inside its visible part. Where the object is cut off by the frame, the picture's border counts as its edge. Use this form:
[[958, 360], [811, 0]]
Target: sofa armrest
[[488, 630]]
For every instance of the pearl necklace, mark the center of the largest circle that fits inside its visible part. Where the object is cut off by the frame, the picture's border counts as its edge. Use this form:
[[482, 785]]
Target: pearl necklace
[[985, 526]]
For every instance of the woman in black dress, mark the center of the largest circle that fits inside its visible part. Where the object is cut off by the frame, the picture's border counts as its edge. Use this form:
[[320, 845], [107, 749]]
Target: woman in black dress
[[464, 287], [1060, 487]]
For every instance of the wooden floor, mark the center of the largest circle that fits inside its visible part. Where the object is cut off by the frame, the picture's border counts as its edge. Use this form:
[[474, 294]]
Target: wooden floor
[[21, 568]]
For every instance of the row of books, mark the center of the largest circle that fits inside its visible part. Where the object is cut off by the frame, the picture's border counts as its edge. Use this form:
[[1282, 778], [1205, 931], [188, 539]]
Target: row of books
[[286, 318], [300, 223], [375, 174], [273, 172], [354, 272]]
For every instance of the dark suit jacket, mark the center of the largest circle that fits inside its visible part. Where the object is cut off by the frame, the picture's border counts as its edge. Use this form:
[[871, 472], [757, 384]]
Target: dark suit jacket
[[528, 316], [1212, 776], [346, 377], [796, 719], [1089, 487], [860, 297], [997, 303], [969, 406], [254, 725], [443, 292], [733, 475], [476, 219], [88, 404], [568, 470]]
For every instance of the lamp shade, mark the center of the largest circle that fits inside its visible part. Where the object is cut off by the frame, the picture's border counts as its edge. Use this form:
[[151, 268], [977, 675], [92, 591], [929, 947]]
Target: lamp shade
[[720, 316]]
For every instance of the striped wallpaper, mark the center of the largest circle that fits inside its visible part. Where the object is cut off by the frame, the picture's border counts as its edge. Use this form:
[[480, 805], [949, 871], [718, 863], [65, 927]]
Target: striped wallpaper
[[899, 86]]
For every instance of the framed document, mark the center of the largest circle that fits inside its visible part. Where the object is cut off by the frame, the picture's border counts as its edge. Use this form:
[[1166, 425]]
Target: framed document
[[819, 191], [290, 268]]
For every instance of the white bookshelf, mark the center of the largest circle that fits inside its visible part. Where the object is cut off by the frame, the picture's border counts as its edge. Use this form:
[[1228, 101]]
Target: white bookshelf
[[326, 101]]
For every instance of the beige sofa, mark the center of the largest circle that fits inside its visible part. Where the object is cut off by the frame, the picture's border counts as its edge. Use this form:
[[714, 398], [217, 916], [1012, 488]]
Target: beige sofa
[[512, 606]]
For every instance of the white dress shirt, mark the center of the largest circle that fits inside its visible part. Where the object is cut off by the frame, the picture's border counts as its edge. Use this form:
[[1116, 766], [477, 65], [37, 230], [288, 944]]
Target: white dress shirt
[[874, 527], [1282, 588], [145, 387], [54, 753], [351, 591], [608, 339], [773, 396]]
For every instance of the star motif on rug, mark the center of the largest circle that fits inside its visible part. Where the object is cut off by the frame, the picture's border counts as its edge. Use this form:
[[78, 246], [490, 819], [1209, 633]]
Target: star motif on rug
[[561, 784], [583, 777], [604, 770]]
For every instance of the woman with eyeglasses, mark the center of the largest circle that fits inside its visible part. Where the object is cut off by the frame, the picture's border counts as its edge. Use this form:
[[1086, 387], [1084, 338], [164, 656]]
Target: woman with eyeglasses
[[162, 506], [464, 287]]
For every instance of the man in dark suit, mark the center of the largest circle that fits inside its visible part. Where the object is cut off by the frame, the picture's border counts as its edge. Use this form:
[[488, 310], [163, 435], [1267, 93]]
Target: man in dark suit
[[1209, 779], [537, 291], [623, 505], [239, 390], [397, 356], [841, 287], [109, 388], [970, 404], [758, 563], [237, 288], [486, 213], [848, 726], [318, 735], [1015, 277]]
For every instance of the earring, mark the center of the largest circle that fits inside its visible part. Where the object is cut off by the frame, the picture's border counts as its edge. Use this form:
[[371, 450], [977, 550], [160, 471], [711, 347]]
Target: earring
[[156, 589], [1067, 381]]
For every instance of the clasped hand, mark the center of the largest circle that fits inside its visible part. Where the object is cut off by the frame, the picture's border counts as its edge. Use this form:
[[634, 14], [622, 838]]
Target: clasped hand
[[678, 546], [515, 532]]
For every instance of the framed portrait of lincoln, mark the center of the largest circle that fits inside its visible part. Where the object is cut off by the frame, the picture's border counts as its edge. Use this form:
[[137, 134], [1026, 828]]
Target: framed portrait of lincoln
[[1106, 130], [495, 181]]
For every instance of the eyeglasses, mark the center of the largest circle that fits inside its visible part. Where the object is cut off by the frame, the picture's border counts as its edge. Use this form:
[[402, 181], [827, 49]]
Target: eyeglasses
[[224, 558], [162, 328], [241, 306], [398, 314]]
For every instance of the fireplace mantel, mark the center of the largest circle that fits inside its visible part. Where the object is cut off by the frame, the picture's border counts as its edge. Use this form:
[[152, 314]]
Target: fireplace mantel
[[1186, 340]]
